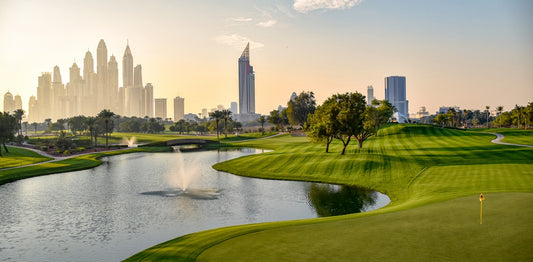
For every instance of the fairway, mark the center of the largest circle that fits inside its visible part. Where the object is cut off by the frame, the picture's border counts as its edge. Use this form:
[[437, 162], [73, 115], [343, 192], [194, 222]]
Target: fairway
[[419, 167], [20, 157]]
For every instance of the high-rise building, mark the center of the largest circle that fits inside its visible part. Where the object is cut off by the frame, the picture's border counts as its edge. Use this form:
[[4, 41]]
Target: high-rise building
[[9, 103], [101, 70], [58, 94], [44, 94], [161, 108], [246, 83], [204, 113], [179, 108], [395, 94], [18, 102], [112, 84], [127, 68], [370, 94], [149, 100], [33, 115], [233, 108]]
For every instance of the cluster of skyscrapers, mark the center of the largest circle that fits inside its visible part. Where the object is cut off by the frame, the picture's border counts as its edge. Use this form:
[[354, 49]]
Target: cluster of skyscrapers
[[93, 91]]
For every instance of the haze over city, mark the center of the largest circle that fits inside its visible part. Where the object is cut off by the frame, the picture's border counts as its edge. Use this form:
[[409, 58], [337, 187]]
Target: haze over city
[[452, 53]]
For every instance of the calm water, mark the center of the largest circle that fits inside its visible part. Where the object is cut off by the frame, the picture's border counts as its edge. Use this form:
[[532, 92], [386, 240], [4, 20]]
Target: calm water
[[102, 215]]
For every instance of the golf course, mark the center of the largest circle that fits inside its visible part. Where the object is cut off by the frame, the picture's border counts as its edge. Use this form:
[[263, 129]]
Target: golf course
[[434, 177]]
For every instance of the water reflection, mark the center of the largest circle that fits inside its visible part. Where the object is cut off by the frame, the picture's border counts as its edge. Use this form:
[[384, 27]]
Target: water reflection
[[334, 200]]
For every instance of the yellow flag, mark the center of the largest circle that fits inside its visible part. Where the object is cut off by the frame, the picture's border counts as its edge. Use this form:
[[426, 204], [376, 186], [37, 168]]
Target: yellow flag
[[481, 197]]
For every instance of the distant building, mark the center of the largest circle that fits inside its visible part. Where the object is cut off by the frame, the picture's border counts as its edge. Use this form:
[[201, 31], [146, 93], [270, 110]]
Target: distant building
[[149, 100], [161, 108], [445, 109], [9, 103], [220, 107], [370, 94], [190, 117], [422, 112], [233, 108], [204, 113], [246, 83], [18, 102], [395, 93], [179, 108]]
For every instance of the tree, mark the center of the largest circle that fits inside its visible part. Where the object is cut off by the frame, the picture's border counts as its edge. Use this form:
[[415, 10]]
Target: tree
[[369, 126], [226, 115], [322, 125], [499, 109], [351, 115], [18, 114], [76, 124], [298, 110], [487, 111], [106, 116], [217, 115], [90, 123], [8, 127], [518, 112], [382, 114], [262, 121], [34, 124]]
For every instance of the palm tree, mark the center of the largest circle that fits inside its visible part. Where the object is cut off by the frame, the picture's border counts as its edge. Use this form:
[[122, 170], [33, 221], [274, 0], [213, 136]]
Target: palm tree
[[517, 108], [488, 112], [226, 115], [90, 122], [34, 124], [18, 114], [499, 109], [61, 123], [217, 115], [106, 116], [262, 121]]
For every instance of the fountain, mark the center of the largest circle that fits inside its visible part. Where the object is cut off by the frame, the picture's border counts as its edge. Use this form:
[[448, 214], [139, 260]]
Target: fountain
[[132, 142], [182, 179]]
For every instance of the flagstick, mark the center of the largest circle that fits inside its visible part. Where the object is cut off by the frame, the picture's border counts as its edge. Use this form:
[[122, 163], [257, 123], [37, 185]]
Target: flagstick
[[481, 214]]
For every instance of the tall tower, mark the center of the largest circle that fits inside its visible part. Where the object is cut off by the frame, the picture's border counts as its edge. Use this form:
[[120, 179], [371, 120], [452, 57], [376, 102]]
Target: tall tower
[[76, 102], [370, 94], [246, 83], [101, 70], [18, 102], [88, 65], [9, 103], [179, 108], [127, 68], [149, 100], [395, 94], [58, 93], [161, 108], [112, 84], [32, 110], [44, 95]]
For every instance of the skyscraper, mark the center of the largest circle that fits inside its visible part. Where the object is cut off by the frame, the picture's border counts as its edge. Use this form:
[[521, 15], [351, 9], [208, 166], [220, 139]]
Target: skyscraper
[[44, 93], [127, 68], [233, 108], [101, 70], [9, 103], [370, 94], [246, 83], [18, 102], [395, 94], [32, 110], [161, 108], [58, 93], [149, 100], [112, 84], [179, 108]]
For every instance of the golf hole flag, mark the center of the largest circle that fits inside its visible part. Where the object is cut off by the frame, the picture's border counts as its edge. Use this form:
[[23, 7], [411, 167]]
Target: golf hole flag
[[481, 199]]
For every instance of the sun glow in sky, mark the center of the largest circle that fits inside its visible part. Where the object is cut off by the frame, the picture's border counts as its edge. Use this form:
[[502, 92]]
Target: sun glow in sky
[[454, 52]]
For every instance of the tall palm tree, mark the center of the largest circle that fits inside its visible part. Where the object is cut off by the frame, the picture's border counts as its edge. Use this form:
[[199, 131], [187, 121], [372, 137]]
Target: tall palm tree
[[18, 114], [226, 116], [34, 124], [90, 122], [262, 121], [217, 115], [517, 108], [106, 115], [499, 109], [488, 112]]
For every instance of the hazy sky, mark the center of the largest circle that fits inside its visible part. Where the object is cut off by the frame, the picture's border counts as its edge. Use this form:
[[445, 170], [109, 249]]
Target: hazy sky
[[452, 52]]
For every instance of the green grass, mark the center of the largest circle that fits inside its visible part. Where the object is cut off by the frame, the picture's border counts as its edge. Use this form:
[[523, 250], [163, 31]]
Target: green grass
[[419, 167], [514, 136], [20, 157]]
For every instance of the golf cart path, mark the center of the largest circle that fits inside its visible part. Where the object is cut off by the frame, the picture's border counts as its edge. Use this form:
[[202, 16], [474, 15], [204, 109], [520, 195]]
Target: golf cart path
[[499, 137]]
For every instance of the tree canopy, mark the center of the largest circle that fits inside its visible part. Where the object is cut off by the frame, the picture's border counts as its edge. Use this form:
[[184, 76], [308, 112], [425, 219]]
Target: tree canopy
[[299, 108]]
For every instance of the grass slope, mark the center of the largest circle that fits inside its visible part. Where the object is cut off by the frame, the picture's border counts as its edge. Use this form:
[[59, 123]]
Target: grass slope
[[415, 166], [515, 136], [20, 157]]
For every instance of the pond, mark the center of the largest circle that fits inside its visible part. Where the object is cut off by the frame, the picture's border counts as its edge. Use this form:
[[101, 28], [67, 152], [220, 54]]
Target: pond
[[132, 202]]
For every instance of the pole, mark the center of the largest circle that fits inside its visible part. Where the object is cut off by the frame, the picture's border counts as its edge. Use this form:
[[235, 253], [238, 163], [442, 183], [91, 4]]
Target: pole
[[481, 214]]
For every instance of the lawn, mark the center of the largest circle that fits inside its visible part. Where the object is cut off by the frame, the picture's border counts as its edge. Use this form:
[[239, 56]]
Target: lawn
[[514, 136], [19, 157], [433, 177]]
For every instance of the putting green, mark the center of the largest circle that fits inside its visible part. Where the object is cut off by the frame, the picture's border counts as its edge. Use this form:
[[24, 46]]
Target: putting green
[[416, 166]]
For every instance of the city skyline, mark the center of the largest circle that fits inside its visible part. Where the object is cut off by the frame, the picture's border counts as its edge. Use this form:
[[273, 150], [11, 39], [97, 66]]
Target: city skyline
[[453, 53]]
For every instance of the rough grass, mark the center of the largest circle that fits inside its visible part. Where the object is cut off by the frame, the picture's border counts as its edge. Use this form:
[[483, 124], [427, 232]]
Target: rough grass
[[415, 166], [20, 157]]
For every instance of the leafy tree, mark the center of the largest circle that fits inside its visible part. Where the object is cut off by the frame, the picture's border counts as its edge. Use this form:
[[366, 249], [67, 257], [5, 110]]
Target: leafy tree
[[298, 110], [262, 121], [63, 142], [76, 124], [351, 115], [382, 114], [90, 123], [8, 127], [106, 115], [217, 116], [322, 125], [369, 126]]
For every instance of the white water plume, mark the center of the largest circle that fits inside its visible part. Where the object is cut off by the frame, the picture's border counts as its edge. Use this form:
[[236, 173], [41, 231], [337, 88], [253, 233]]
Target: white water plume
[[132, 142]]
